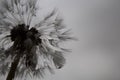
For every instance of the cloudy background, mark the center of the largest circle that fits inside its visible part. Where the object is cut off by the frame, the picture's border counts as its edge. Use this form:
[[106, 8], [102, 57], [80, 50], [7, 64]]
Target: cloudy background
[[96, 23]]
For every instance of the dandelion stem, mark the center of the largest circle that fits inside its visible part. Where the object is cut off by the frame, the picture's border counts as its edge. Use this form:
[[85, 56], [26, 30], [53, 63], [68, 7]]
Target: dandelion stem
[[13, 68]]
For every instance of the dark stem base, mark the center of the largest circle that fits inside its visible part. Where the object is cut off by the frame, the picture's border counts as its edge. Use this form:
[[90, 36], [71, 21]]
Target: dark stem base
[[13, 68]]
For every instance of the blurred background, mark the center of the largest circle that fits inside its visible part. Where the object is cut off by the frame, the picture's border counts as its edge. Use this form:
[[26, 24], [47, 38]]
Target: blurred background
[[96, 23]]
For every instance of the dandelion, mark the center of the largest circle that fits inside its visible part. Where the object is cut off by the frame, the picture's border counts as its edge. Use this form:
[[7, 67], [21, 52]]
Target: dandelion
[[26, 48]]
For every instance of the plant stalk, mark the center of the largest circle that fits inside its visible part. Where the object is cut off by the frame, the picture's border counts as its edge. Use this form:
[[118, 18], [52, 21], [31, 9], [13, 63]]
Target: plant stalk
[[11, 74]]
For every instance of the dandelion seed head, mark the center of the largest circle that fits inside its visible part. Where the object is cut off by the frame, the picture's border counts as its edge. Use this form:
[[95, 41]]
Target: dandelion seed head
[[37, 44]]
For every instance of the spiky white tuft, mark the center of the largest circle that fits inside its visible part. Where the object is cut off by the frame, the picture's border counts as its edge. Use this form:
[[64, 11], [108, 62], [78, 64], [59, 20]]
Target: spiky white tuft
[[40, 42]]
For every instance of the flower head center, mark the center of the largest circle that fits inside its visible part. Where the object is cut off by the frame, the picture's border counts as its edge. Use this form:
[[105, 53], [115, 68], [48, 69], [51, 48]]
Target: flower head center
[[22, 32]]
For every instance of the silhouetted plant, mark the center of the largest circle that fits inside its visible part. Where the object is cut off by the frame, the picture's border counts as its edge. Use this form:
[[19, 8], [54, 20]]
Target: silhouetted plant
[[25, 49]]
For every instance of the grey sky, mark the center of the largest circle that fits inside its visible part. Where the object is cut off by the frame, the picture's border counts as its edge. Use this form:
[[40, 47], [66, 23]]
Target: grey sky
[[96, 55]]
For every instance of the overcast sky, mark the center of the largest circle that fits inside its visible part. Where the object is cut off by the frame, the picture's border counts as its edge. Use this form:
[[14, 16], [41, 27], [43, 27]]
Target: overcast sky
[[96, 23]]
